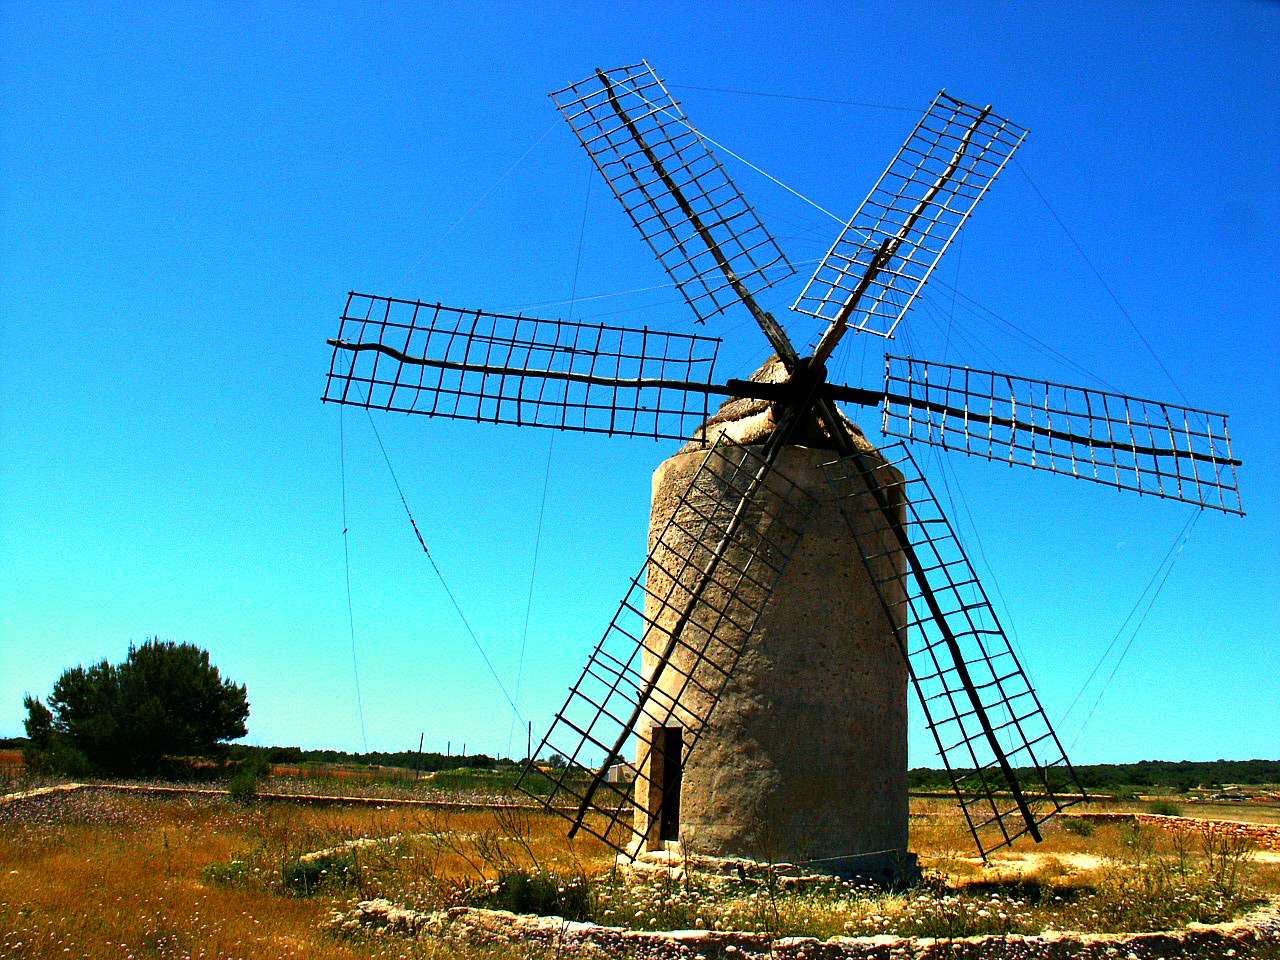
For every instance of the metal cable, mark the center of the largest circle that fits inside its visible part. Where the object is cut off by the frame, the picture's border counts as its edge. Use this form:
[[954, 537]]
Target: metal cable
[[1170, 556], [533, 576], [346, 556], [479, 200], [546, 477], [1035, 341], [1111, 293], [658, 108], [1120, 630], [440, 576]]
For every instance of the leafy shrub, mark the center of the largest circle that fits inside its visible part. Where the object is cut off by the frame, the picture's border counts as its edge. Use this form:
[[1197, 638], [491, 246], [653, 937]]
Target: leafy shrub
[[1078, 826], [243, 788], [227, 873], [59, 758], [309, 875], [534, 891], [1164, 808]]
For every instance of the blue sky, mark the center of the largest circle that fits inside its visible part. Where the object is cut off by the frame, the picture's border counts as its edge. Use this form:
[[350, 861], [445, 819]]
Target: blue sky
[[189, 191]]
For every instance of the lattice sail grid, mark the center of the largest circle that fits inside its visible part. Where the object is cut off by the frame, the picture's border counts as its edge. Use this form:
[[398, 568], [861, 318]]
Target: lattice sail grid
[[886, 252], [991, 732], [1154, 448], [701, 229], [665, 659], [416, 357]]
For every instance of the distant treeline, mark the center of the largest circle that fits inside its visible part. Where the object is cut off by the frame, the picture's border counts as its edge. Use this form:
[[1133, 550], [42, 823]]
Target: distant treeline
[[410, 759], [1180, 775]]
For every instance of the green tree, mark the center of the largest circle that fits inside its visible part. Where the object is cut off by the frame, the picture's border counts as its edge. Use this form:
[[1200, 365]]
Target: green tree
[[165, 700], [39, 722]]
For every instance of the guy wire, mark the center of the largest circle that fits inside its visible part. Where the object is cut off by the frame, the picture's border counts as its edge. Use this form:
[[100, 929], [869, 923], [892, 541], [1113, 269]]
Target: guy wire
[[546, 477], [346, 556], [440, 576], [680, 119], [1111, 293], [1169, 558], [479, 200], [533, 576]]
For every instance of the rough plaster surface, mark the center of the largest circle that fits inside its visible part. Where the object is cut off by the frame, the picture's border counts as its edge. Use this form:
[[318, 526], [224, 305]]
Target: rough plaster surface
[[805, 755]]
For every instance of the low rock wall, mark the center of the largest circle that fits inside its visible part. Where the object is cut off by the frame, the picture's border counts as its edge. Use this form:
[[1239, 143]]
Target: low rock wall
[[471, 926], [1265, 835]]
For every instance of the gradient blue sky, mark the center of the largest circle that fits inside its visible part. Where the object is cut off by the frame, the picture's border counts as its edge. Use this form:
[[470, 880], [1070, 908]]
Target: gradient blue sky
[[189, 191]]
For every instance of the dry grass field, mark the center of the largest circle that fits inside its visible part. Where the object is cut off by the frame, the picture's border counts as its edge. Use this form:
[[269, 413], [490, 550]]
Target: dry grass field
[[105, 875], [100, 874]]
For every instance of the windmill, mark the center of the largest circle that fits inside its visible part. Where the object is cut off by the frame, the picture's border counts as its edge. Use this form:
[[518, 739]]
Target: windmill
[[779, 461]]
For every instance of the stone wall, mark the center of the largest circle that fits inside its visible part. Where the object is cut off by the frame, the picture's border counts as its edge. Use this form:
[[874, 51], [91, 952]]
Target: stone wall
[[467, 926], [1266, 835]]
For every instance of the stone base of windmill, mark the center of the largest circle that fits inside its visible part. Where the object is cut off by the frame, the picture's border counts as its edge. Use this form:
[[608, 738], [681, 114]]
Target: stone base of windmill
[[804, 759]]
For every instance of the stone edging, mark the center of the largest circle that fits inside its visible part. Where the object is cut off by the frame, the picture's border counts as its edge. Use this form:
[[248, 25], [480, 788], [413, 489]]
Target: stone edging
[[474, 926], [1263, 834]]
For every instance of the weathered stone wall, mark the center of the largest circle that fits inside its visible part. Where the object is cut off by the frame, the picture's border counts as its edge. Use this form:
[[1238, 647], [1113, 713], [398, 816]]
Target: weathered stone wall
[[1259, 834], [805, 757], [494, 928]]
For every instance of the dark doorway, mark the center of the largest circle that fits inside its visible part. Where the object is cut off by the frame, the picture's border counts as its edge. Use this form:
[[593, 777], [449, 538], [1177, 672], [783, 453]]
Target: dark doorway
[[672, 764]]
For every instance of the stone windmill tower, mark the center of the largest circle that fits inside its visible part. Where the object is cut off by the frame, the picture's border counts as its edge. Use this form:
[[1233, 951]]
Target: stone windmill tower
[[804, 756], [752, 686]]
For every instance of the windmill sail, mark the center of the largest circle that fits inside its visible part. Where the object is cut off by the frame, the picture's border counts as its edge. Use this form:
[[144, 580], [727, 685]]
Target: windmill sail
[[416, 357], [651, 685], [1154, 448], [673, 644], [884, 255], [1004, 759], [701, 229]]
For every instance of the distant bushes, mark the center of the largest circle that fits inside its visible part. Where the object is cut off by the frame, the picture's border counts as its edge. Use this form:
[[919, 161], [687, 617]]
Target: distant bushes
[[406, 759]]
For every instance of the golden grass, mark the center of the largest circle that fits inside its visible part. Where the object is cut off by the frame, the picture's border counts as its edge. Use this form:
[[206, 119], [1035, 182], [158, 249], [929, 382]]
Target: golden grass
[[100, 875], [107, 875]]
